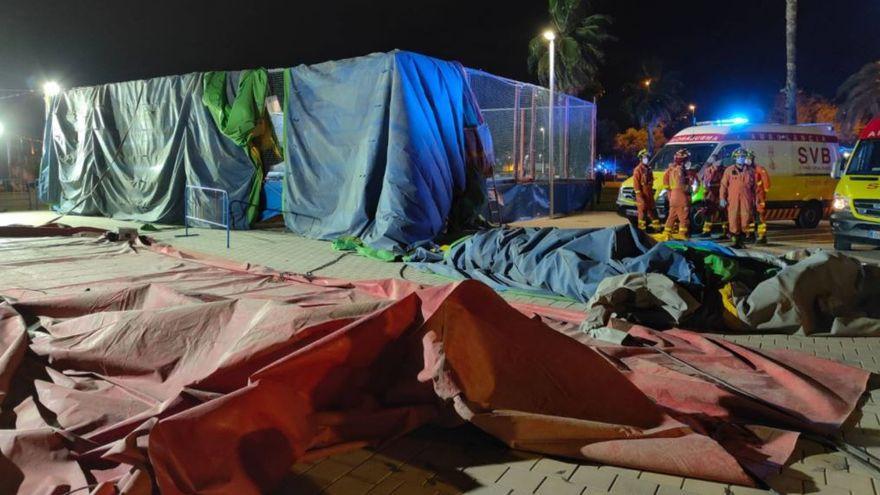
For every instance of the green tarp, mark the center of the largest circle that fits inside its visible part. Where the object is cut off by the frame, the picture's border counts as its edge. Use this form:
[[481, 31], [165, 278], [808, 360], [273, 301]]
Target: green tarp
[[243, 120]]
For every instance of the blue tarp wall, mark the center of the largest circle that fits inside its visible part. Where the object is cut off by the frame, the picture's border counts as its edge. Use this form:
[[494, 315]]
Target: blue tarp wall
[[523, 201], [375, 148]]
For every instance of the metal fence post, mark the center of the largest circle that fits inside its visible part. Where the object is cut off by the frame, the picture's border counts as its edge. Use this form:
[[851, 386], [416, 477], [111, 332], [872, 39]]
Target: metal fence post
[[532, 135], [226, 216], [517, 166], [566, 169], [186, 211]]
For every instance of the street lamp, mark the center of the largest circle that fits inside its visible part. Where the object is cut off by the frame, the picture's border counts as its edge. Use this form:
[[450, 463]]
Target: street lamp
[[550, 36], [647, 83], [693, 109], [51, 88]]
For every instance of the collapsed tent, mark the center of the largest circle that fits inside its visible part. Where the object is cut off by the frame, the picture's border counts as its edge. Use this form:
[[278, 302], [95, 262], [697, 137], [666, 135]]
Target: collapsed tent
[[555, 262], [700, 285], [388, 148], [179, 373]]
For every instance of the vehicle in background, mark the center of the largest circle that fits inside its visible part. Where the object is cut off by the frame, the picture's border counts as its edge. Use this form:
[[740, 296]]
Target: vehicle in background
[[800, 159], [855, 217]]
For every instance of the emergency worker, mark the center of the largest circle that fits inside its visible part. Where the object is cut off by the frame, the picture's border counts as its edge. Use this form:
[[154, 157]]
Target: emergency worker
[[677, 183], [738, 196], [762, 187], [643, 184], [710, 178]]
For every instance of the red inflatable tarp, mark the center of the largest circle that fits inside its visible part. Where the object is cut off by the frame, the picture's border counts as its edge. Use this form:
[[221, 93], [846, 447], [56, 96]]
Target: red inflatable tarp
[[141, 368]]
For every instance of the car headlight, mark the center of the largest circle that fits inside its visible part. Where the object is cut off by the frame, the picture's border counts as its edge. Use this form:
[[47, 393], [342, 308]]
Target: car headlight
[[840, 202]]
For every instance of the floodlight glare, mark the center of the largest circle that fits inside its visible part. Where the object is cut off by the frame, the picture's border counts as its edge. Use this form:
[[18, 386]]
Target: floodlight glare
[[51, 88], [549, 35]]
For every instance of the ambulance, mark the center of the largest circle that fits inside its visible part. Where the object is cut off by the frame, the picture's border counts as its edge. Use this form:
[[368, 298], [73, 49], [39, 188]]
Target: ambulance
[[800, 159], [855, 216]]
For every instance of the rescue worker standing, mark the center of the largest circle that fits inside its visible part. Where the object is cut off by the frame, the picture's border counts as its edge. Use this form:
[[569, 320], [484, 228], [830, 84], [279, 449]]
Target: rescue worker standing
[[677, 182], [738, 196], [643, 184], [762, 187], [710, 178]]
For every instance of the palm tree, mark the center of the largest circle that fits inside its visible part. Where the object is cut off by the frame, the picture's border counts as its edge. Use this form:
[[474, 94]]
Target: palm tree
[[860, 96], [654, 99], [579, 39], [791, 62]]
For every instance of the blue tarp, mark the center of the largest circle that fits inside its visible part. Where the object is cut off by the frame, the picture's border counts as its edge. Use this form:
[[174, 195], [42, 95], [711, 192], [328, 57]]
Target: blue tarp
[[523, 201], [375, 148], [556, 262], [272, 197]]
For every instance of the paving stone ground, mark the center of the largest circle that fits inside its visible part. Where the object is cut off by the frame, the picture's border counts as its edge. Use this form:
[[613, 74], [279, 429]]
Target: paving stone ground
[[465, 460]]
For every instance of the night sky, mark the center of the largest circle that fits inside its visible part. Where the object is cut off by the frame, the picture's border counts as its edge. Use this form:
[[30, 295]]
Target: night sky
[[731, 54]]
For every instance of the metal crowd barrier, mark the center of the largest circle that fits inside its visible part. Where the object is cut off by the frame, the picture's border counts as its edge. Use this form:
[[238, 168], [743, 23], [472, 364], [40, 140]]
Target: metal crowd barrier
[[198, 211]]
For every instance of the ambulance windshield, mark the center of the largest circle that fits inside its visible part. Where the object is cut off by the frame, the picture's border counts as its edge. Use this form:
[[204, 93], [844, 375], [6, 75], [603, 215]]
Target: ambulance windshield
[[700, 153], [865, 159]]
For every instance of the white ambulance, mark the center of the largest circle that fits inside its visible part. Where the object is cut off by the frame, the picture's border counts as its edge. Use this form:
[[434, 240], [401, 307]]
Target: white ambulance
[[799, 158]]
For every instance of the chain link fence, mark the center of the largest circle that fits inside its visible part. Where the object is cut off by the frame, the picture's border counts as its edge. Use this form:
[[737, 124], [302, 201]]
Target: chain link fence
[[518, 114]]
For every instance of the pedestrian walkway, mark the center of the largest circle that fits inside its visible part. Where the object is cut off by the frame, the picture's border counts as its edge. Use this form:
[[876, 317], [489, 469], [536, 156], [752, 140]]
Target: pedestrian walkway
[[464, 460]]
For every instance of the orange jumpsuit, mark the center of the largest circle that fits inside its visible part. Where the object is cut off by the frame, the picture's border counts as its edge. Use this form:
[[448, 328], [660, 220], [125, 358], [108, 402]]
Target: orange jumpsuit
[[711, 180], [677, 180], [643, 184], [738, 189], [762, 187]]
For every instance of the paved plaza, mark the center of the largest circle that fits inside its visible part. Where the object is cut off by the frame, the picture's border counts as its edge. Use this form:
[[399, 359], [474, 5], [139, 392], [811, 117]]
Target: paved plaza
[[465, 460]]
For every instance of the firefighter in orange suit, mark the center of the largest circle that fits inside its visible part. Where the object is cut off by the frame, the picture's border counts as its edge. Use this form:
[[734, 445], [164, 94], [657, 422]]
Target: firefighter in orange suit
[[677, 183], [710, 178], [762, 187], [643, 184], [738, 196]]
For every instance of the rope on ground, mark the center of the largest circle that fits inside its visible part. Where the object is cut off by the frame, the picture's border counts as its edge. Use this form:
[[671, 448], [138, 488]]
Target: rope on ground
[[311, 273]]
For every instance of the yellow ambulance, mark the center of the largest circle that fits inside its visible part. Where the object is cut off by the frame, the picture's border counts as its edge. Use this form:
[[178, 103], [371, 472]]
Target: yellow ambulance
[[799, 158], [855, 216]]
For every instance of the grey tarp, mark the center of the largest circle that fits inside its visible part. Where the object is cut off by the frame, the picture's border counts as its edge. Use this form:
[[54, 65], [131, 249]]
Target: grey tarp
[[128, 150], [824, 292], [376, 148], [649, 299]]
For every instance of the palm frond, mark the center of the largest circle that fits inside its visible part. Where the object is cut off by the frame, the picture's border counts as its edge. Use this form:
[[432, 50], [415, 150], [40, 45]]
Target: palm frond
[[579, 46], [860, 96]]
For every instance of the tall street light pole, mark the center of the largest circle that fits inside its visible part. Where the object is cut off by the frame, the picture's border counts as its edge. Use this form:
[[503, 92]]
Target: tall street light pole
[[550, 36], [693, 109]]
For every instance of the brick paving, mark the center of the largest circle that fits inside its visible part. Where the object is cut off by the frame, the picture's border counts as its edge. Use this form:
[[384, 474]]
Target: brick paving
[[465, 460]]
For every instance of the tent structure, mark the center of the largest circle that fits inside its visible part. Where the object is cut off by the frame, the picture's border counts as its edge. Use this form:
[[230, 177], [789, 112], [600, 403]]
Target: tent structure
[[375, 148], [390, 148]]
